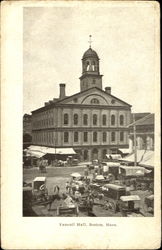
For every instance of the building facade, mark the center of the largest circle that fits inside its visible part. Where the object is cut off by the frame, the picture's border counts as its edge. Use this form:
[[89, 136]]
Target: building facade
[[93, 122], [144, 133]]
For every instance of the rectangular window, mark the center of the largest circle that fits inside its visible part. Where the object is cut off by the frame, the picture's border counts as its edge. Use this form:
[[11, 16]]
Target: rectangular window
[[66, 137], [85, 137]]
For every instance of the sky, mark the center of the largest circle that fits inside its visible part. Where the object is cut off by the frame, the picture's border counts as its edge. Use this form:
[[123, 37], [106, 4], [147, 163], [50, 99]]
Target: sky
[[55, 39]]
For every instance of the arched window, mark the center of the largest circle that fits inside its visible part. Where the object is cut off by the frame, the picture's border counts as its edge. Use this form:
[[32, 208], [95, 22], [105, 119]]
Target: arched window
[[66, 119], [104, 152], [87, 66], [104, 135], [94, 136], [85, 155], [104, 120], [75, 136], [66, 137], [121, 120], [94, 119], [85, 136], [93, 65], [122, 136], [112, 119], [75, 119], [95, 101], [85, 119], [112, 136]]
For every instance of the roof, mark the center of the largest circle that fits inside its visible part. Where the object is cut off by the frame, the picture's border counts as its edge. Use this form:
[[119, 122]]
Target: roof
[[90, 53], [130, 198], [114, 156], [129, 171], [41, 178], [111, 164], [59, 101], [138, 116], [146, 120], [113, 186]]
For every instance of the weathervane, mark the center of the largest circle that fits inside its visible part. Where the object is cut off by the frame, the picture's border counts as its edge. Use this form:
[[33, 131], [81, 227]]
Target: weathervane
[[90, 41]]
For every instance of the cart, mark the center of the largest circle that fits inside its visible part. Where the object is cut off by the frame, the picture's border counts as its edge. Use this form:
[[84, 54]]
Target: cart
[[39, 189]]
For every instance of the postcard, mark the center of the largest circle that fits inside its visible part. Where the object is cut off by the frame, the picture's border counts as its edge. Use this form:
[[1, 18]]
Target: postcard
[[80, 125]]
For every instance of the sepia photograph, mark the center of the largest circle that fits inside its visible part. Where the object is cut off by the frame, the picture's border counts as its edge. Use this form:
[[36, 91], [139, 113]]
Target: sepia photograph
[[88, 145], [80, 122]]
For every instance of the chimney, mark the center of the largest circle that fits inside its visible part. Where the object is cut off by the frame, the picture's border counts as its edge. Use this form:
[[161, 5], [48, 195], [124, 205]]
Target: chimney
[[108, 90], [62, 90]]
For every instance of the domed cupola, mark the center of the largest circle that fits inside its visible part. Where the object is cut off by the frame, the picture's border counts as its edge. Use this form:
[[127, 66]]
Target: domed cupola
[[90, 70], [90, 53]]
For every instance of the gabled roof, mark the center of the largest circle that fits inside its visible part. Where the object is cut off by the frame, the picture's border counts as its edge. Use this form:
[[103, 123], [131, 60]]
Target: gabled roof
[[146, 120], [61, 101], [93, 88]]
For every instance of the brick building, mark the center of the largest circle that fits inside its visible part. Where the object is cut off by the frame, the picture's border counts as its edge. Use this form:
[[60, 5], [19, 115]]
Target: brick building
[[93, 122]]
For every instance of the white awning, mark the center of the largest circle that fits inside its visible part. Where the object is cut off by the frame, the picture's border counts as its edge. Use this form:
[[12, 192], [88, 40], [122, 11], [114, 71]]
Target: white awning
[[144, 157], [48, 150], [41, 178], [36, 154], [114, 156]]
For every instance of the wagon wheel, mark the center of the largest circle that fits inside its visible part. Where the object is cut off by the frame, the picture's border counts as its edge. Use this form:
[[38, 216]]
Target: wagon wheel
[[111, 206]]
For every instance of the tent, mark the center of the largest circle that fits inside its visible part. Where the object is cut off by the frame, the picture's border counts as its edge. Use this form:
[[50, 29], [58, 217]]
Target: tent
[[144, 157]]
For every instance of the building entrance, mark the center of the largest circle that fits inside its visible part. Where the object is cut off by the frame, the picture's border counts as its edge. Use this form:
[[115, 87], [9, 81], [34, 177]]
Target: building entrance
[[95, 154], [85, 155]]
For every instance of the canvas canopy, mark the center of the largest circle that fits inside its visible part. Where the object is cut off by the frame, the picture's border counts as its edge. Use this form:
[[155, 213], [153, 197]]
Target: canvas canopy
[[130, 198], [47, 150], [114, 156], [128, 171], [34, 154], [111, 164], [76, 175], [142, 157], [114, 186], [41, 178], [99, 177], [148, 160]]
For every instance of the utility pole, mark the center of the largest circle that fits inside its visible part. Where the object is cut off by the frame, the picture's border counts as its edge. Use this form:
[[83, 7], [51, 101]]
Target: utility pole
[[135, 146]]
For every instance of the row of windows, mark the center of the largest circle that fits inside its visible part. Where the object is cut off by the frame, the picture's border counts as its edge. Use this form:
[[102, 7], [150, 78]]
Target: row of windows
[[94, 119], [44, 122], [95, 136], [49, 137]]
